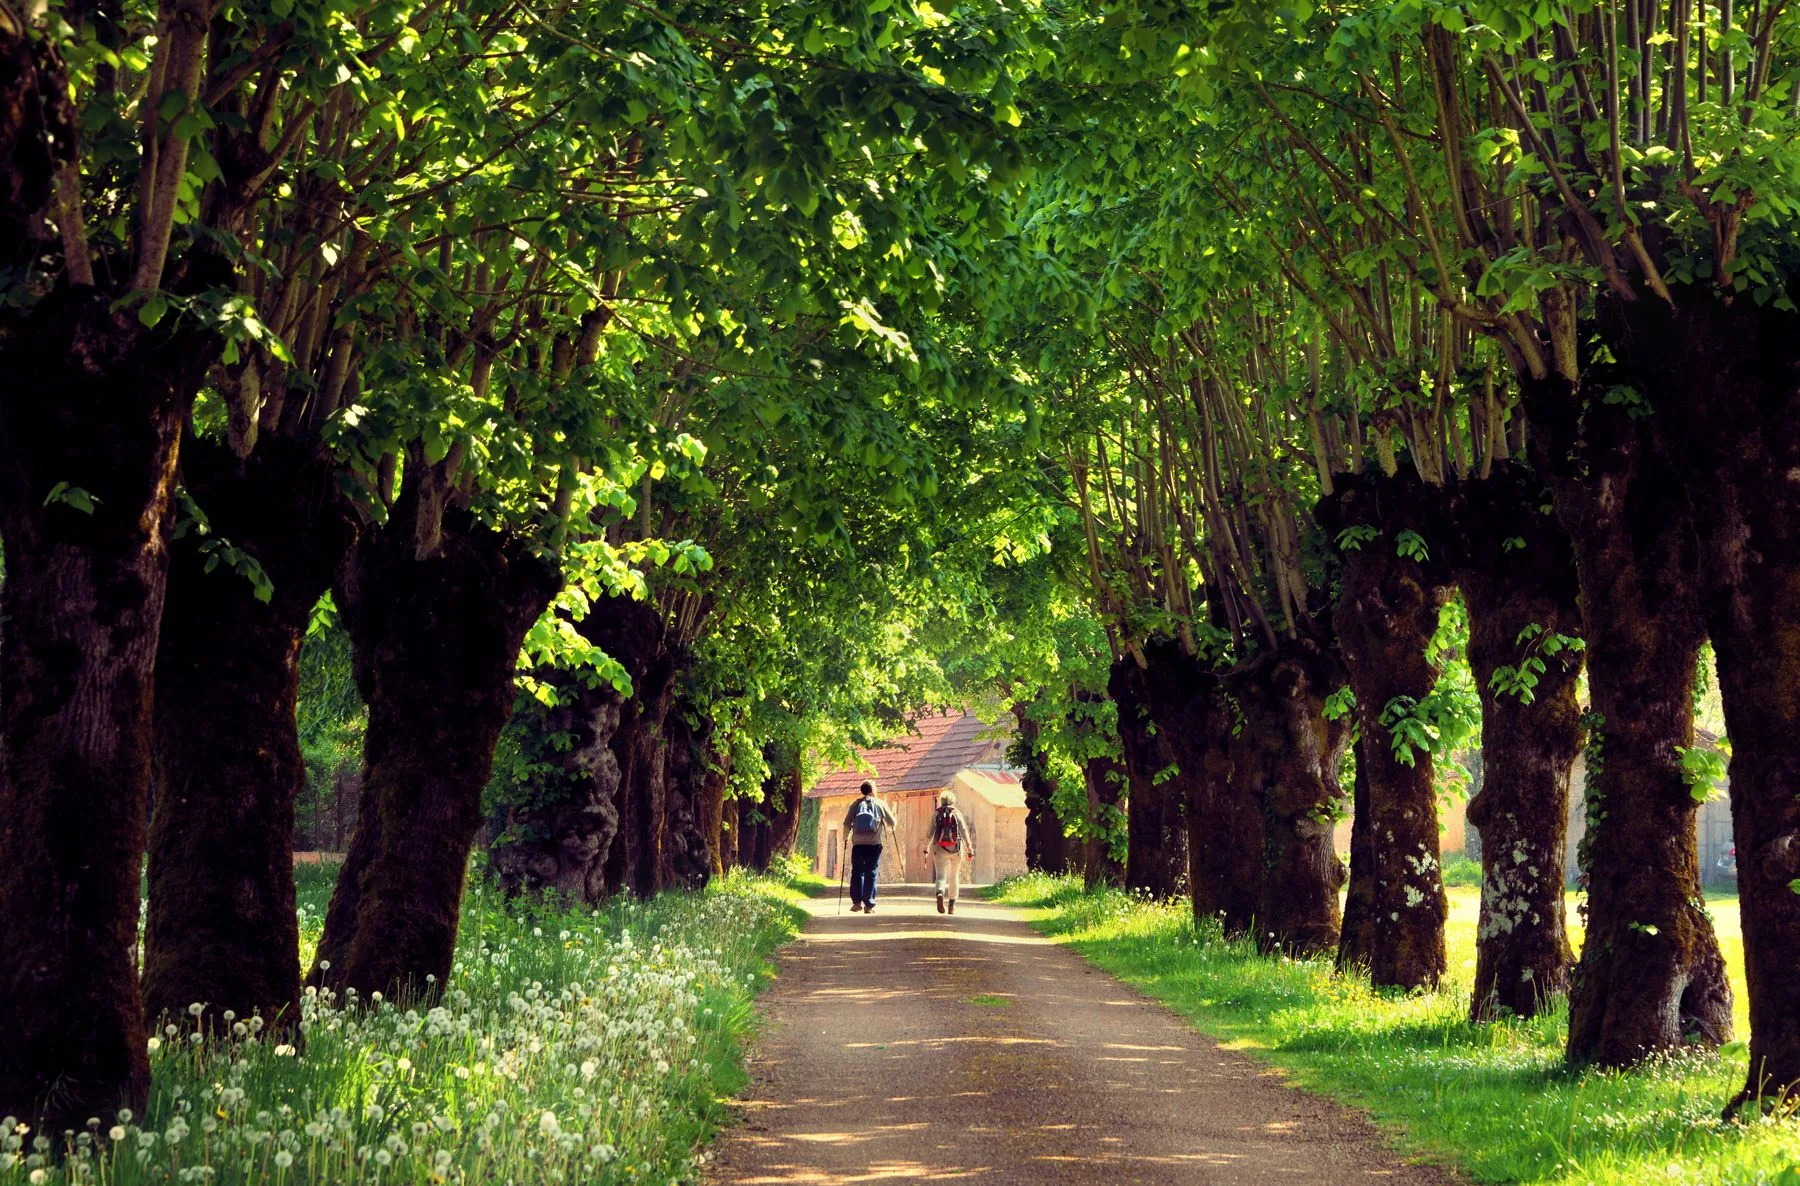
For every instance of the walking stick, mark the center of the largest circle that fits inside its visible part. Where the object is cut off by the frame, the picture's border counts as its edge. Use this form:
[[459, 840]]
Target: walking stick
[[842, 856]]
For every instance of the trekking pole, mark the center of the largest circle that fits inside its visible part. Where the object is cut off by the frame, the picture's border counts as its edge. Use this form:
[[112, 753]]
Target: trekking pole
[[842, 856]]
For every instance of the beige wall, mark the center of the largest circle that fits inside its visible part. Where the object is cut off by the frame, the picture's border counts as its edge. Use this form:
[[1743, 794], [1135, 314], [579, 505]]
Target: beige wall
[[1453, 830]]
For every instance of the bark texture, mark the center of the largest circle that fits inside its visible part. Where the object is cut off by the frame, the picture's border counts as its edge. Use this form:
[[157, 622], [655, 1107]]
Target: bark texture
[[90, 414], [1106, 780], [1356, 942], [614, 810], [1046, 846], [221, 926], [1224, 825], [435, 639], [558, 840], [1724, 379], [730, 829], [768, 829], [687, 851], [1650, 977], [714, 782], [1516, 569], [1156, 859], [1284, 782], [1385, 619]]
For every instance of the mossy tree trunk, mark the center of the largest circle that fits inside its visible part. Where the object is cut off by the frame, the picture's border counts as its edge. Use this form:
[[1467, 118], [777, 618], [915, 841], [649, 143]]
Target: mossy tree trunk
[[771, 836], [1223, 828], [91, 408], [1516, 569], [559, 839], [714, 782], [689, 835], [1285, 763], [1392, 589], [1106, 780], [221, 927], [1356, 942], [1650, 977], [633, 633], [435, 635], [730, 834], [1046, 845], [1724, 380], [1156, 861]]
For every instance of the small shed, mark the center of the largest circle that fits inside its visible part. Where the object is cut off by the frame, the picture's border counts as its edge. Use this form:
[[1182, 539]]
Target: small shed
[[953, 750]]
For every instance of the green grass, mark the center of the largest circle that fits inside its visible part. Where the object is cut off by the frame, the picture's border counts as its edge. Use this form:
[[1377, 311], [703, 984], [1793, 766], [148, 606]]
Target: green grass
[[989, 999], [1494, 1100], [570, 1045], [1460, 870]]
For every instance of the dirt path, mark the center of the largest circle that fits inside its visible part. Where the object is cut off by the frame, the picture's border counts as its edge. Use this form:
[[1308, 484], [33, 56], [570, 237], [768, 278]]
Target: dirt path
[[909, 1047]]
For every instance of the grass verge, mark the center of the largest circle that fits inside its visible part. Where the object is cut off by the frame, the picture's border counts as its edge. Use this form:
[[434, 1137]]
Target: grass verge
[[571, 1045], [1495, 1101]]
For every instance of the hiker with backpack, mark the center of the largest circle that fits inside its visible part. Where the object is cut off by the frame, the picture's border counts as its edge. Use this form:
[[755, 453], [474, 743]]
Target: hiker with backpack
[[863, 824], [952, 842]]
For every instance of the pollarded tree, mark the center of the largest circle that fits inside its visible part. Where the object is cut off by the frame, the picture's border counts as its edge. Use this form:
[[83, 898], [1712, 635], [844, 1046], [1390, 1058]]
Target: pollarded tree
[[1401, 378], [1504, 241], [140, 144], [268, 517]]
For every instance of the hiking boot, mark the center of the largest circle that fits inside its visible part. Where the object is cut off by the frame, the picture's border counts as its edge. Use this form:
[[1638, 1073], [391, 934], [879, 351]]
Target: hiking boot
[[856, 907], [869, 909], [952, 905], [940, 903]]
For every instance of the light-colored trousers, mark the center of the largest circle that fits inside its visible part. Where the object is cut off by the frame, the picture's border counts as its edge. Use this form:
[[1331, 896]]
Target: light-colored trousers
[[946, 870]]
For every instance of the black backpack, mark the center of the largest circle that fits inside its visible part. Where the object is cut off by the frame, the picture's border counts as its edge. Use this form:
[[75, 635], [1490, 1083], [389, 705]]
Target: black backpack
[[944, 829]]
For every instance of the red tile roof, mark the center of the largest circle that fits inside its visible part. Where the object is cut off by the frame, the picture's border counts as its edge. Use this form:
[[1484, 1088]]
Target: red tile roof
[[940, 745]]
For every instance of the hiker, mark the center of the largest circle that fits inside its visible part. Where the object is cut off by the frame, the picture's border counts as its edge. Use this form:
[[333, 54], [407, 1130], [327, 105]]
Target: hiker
[[952, 842], [863, 824]]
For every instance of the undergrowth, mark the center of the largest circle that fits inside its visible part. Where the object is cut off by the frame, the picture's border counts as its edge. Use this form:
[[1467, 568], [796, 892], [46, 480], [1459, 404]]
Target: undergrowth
[[570, 1045], [1495, 1100]]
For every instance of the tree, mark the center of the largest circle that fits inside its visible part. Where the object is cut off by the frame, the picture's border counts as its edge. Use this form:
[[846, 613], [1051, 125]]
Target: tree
[[133, 167]]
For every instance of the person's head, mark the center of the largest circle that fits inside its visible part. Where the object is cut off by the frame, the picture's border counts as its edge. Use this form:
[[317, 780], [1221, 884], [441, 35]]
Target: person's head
[[868, 788], [946, 798]]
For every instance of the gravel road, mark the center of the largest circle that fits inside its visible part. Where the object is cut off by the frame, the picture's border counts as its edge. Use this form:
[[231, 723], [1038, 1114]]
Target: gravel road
[[913, 1047]]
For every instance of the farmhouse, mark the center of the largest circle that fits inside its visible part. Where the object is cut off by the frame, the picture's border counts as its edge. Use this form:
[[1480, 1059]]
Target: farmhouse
[[952, 750]]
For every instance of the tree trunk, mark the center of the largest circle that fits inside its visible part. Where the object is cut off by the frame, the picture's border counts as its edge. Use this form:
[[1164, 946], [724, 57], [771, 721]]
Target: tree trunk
[[715, 780], [435, 644], [1046, 845], [784, 823], [632, 632], [1106, 780], [1356, 943], [1284, 767], [688, 836], [1224, 827], [221, 927], [1724, 380], [1156, 860], [1650, 976], [731, 834], [1516, 569], [771, 835], [90, 415], [1385, 619], [558, 840]]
